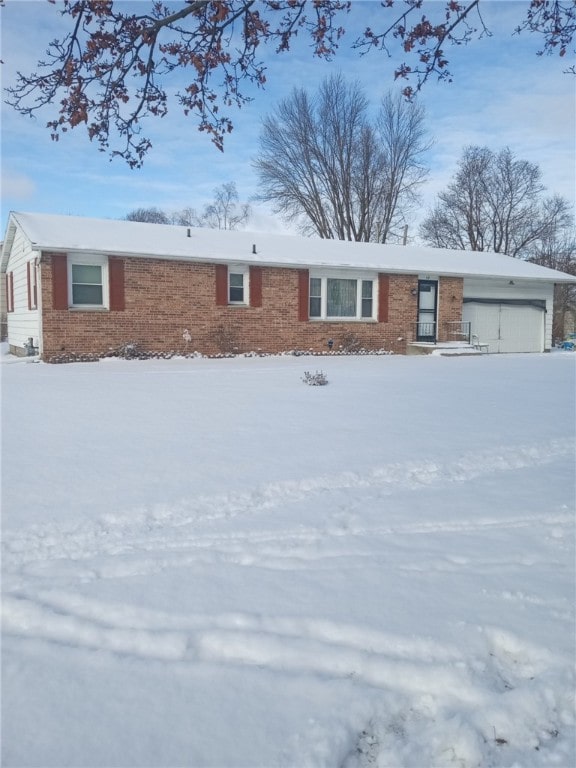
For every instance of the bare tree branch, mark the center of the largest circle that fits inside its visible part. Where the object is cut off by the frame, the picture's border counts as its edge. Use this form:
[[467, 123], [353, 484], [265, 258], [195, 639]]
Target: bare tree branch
[[555, 21], [149, 215], [495, 203], [109, 72], [225, 212], [326, 167]]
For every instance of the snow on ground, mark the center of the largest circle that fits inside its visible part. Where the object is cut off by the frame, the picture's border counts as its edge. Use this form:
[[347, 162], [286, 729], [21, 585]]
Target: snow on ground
[[209, 563]]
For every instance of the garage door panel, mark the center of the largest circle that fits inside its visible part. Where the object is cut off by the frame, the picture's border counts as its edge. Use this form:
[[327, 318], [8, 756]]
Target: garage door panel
[[484, 322], [521, 329], [507, 327]]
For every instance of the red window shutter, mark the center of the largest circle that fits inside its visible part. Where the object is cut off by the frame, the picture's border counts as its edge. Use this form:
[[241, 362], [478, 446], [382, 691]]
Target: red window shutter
[[303, 294], [35, 284], [32, 284], [29, 284], [59, 281], [116, 281], [255, 286], [221, 285], [383, 297], [10, 291]]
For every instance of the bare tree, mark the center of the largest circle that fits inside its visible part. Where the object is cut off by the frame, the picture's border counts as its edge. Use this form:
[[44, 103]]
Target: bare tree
[[150, 215], [557, 250], [403, 139], [225, 212], [186, 217], [112, 68], [327, 168], [495, 203]]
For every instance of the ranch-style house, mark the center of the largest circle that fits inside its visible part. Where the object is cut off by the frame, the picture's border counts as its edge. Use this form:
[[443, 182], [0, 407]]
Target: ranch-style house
[[85, 287]]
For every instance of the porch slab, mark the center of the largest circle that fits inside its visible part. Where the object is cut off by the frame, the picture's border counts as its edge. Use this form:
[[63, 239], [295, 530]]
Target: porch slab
[[441, 348]]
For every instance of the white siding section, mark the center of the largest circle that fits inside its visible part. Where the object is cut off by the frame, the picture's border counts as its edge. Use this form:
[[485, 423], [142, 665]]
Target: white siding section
[[481, 288], [23, 323]]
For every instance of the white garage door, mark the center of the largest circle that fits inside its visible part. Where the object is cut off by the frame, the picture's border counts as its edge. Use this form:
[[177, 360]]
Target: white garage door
[[507, 327]]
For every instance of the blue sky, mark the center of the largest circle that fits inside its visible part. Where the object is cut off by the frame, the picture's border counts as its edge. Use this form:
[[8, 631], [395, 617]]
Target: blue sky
[[502, 95]]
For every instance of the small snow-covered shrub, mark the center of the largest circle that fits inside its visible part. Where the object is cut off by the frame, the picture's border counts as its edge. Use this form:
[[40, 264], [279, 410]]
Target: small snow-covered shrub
[[317, 379], [225, 338], [131, 351], [350, 343]]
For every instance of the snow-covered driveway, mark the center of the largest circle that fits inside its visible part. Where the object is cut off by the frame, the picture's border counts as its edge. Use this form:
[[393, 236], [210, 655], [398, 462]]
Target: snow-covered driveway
[[208, 563]]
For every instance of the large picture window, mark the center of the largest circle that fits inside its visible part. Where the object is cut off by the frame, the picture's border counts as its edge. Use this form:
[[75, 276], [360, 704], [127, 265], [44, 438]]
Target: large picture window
[[342, 298]]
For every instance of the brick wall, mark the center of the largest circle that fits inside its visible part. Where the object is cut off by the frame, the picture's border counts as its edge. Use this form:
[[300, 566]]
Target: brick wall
[[450, 292], [165, 298]]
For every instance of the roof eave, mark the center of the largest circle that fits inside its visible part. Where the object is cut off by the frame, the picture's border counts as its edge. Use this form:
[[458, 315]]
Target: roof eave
[[214, 258], [7, 244]]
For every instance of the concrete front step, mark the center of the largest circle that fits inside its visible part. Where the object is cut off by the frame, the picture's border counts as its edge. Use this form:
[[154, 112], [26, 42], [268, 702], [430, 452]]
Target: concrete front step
[[441, 348]]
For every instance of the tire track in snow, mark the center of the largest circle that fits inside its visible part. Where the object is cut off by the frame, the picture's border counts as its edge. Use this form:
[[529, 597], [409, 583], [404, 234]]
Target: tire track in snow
[[116, 534], [279, 644], [285, 549], [285, 645], [497, 682], [27, 613], [479, 678]]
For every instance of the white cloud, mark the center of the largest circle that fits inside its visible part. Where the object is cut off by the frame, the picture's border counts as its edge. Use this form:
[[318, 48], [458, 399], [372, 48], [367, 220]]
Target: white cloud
[[17, 186]]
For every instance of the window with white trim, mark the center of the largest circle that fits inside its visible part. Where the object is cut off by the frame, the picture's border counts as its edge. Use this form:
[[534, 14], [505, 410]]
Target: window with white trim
[[88, 282], [238, 285], [367, 299], [338, 297], [315, 297]]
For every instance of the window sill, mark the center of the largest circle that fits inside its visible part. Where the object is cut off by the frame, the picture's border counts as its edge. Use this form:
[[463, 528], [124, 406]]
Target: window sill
[[342, 320], [88, 309]]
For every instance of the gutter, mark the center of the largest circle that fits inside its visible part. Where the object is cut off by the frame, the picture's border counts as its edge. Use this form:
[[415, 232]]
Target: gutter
[[219, 259]]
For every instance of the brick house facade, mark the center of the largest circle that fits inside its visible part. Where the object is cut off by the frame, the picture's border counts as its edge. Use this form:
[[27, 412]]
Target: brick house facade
[[153, 302], [85, 287]]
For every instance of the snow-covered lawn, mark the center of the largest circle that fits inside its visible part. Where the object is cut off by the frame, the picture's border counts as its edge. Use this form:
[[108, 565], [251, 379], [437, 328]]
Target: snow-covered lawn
[[209, 563]]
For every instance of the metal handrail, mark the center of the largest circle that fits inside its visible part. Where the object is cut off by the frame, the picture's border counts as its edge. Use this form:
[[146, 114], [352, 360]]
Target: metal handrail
[[458, 329], [426, 330]]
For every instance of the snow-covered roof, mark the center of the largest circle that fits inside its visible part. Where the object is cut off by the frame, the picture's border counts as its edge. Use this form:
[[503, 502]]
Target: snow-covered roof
[[127, 238]]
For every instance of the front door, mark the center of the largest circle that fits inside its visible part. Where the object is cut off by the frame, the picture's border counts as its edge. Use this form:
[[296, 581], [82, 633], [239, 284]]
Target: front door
[[427, 303]]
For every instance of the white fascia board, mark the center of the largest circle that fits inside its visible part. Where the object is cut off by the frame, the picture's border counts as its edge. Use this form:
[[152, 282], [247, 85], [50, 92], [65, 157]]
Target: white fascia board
[[553, 276], [7, 244]]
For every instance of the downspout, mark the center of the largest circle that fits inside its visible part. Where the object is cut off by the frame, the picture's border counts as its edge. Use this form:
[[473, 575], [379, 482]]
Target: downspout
[[39, 307]]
